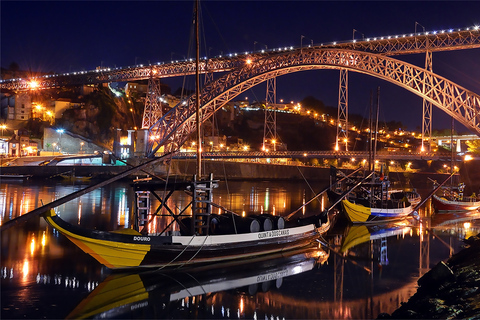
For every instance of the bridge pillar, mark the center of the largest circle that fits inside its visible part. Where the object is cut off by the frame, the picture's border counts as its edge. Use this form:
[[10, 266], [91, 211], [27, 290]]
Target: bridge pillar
[[270, 127], [153, 104], [342, 119], [459, 145], [141, 143], [427, 107]]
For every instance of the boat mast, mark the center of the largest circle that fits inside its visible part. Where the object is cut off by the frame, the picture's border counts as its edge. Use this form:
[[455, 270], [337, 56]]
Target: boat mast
[[197, 94]]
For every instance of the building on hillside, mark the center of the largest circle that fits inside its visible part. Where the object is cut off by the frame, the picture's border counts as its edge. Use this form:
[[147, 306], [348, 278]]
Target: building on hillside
[[3, 147], [22, 109], [60, 105], [133, 87], [20, 144]]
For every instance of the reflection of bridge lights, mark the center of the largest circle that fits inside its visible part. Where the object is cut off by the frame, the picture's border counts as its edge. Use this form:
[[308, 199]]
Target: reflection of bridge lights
[[32, 245]]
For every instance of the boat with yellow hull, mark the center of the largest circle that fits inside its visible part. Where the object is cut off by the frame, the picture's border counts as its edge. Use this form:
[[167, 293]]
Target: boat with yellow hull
[[358, 213], [129, 249]]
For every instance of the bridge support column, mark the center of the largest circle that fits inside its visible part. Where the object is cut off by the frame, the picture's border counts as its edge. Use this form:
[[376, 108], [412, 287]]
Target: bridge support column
[[427, 108], [342, 119], [153, 104], [270, 127], [141, 143]]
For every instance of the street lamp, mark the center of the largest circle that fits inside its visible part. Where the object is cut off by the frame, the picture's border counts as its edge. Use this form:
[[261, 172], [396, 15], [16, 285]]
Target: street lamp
[[3, 126], [81, 147]]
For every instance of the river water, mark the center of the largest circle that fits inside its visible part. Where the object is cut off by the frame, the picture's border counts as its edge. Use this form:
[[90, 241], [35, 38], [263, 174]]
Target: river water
[[358, 273]]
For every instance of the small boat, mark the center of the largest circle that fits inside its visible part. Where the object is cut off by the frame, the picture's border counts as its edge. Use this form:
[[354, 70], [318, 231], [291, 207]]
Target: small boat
[[452, 199], [159, 294], [364, 212], [371, 202], [15, 176], [412, 196], [449, 203]]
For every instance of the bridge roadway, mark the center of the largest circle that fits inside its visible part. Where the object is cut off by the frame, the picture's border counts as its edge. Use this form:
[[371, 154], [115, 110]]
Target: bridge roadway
[[358, 155], [442, 40]]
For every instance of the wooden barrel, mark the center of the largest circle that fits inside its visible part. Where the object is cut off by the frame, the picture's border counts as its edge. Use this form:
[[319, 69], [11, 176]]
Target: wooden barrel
[[266, 223], [231, 224], [277, 221]]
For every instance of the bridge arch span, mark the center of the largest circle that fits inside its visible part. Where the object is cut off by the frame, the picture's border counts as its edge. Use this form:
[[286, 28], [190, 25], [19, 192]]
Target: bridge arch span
[[176, 125]]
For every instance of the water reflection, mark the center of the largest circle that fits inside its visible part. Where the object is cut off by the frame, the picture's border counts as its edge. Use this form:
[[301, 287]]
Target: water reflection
[[44, 275], [200, 290]]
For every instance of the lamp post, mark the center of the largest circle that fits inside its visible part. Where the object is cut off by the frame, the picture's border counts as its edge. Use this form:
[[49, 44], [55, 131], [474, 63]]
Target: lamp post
[[81, 147], [3, 126]]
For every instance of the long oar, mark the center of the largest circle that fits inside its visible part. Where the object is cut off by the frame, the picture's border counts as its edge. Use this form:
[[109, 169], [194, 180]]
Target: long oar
[[320, 193], [56, 203]]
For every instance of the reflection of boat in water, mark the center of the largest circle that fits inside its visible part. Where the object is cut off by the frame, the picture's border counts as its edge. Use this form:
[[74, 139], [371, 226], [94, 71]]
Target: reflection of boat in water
[[15, 176], [154, 294], [446, 220], [358, 234]]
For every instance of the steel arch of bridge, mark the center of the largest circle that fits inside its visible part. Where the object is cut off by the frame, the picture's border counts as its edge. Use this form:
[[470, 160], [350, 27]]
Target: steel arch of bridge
[[174, 127]]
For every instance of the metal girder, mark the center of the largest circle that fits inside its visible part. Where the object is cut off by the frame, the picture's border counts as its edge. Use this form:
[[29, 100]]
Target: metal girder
[[153, 104], [453, 99], [427, 109], [342, 118], [270, 126], [395, 45], [411, 43]]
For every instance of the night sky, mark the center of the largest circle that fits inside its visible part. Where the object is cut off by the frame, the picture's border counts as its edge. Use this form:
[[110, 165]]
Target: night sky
[[63, 36]]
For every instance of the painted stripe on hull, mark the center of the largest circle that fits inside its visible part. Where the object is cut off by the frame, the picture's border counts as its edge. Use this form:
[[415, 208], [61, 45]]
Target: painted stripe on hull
[[443, 204], [357, 213]]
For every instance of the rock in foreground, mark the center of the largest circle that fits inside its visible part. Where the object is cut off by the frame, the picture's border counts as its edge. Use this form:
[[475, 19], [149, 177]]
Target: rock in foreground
[[449, 290]]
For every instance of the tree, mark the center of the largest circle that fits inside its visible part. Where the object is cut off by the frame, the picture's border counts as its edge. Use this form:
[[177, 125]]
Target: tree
[[474, 146]]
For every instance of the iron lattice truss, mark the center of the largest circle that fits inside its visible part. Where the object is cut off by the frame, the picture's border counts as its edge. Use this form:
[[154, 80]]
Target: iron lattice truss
[[417, 43], [396, 45], [458, 102], [153, 104]]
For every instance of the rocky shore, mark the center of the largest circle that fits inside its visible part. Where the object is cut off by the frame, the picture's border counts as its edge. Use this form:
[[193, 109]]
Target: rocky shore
[[450, 290]]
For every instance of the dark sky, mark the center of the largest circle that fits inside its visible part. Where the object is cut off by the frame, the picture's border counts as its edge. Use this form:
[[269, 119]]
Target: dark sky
[[64, 36]]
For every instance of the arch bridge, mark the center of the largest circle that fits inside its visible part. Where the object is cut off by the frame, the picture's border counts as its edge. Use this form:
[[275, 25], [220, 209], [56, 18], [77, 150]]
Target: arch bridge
[[175, 126]]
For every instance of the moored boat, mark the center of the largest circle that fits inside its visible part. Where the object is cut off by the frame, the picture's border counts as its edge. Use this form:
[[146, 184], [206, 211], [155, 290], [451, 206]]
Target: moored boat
[[449, 204], [371, 201], [364, 213], [206, 242], [451, 198]]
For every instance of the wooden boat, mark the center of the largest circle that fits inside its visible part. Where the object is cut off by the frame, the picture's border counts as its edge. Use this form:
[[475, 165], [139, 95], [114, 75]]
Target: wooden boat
[[449, 203], [412, 196], [203, 239], [138, 294], [15, 176], [451, 198], [370, 201], [363, 212]]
